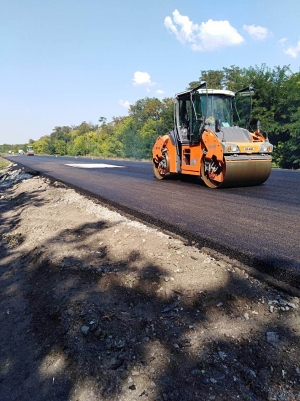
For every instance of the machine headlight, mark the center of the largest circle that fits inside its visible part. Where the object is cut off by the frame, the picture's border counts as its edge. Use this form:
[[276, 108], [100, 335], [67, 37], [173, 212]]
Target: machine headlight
[[232, 149], [266, 148]]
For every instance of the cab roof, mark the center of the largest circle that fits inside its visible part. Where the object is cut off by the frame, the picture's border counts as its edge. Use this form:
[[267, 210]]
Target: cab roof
[[208, 92], [216, 92]]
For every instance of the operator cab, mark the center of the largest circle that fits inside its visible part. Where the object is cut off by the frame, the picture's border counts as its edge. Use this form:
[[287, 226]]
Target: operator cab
[[30, 151], [210, 109], [217, 107]]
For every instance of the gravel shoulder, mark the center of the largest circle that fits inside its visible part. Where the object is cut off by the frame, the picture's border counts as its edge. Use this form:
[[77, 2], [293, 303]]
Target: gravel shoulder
[[95, 306]]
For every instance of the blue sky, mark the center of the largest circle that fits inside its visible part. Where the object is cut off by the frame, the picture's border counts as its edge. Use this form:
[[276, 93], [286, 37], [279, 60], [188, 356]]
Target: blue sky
[[67, 61]]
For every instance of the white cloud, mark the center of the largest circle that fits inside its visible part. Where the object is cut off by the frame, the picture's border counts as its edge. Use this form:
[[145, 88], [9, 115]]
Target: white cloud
[[142, 78], [282, 41], [187, 27], [160, 92], [257, 32], [125, 103], [293, 50], [208, 36]]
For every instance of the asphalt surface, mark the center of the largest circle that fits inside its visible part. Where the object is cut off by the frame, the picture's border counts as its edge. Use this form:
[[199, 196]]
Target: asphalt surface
[[258, 226]]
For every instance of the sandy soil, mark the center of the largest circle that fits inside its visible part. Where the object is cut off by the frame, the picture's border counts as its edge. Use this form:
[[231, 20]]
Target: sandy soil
[[95, 306]]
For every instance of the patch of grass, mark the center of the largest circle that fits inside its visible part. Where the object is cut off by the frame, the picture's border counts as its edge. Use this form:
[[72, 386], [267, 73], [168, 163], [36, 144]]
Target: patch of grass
[[12, 240], [3, 163]]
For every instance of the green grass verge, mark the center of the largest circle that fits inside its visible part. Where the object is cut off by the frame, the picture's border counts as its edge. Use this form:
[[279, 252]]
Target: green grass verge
[[3, 163]]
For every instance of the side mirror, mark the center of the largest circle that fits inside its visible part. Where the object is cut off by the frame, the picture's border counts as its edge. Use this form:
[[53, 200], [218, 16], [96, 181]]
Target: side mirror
[[258, 125], [218, 125]]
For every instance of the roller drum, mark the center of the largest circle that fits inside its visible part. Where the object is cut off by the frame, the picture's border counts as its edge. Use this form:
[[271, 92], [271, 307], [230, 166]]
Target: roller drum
[[246, 171]]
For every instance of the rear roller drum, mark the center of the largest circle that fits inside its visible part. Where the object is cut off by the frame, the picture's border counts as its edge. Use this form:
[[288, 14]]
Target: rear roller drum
[[161, 168]]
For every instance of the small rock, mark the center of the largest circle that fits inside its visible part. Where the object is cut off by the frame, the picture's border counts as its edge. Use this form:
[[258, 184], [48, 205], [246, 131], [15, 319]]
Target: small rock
[[170, 307], [220, 304], [273, 338], [98, 332], [93, 324], [222, 355], [271, 309], [212, 380], [112, 361], [85, 330], [135, 373], [246, 316], [196, 372], [120, 344]]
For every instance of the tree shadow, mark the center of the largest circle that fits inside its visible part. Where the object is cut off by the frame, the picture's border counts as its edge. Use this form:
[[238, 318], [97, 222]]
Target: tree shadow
[[104, 327], [9, 222]]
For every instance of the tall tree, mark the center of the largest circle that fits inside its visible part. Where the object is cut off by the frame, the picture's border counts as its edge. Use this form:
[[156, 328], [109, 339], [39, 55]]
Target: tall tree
[[146, 108], [235, 78], [213, 78]]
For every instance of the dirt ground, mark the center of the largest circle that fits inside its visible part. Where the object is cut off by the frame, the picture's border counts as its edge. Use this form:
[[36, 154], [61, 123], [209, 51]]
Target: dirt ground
[[95, 306]]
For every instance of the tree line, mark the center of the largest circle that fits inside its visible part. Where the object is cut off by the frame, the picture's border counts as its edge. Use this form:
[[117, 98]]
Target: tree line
[[276, 104]]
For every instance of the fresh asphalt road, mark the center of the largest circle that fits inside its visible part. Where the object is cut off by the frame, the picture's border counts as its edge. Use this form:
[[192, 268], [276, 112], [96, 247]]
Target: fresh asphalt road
[[257, 225]]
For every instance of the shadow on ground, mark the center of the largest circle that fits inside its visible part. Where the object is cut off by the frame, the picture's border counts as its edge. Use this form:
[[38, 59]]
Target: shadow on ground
[[99, 327]]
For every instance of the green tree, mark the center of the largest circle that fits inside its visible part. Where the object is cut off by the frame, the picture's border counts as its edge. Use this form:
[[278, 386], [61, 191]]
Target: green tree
[[44, 146], [287, 151], [146, 108], [213, 78], [129, 138], [166, 118], [80, 147], [60, 147], [235, 78]]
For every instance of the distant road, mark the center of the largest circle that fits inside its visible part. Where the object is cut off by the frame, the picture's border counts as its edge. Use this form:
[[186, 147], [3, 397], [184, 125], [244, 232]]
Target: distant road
[[258, 225]]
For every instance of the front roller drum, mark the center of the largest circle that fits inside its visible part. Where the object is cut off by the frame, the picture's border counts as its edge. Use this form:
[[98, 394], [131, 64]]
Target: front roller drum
[[247, 172], [212, 172], [235, 173]]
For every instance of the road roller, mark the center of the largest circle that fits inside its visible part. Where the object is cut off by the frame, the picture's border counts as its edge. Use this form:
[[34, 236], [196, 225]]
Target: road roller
[[212, 139]]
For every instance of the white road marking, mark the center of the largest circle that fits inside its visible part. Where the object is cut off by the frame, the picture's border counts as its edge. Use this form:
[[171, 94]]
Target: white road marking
[[94, 165]]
